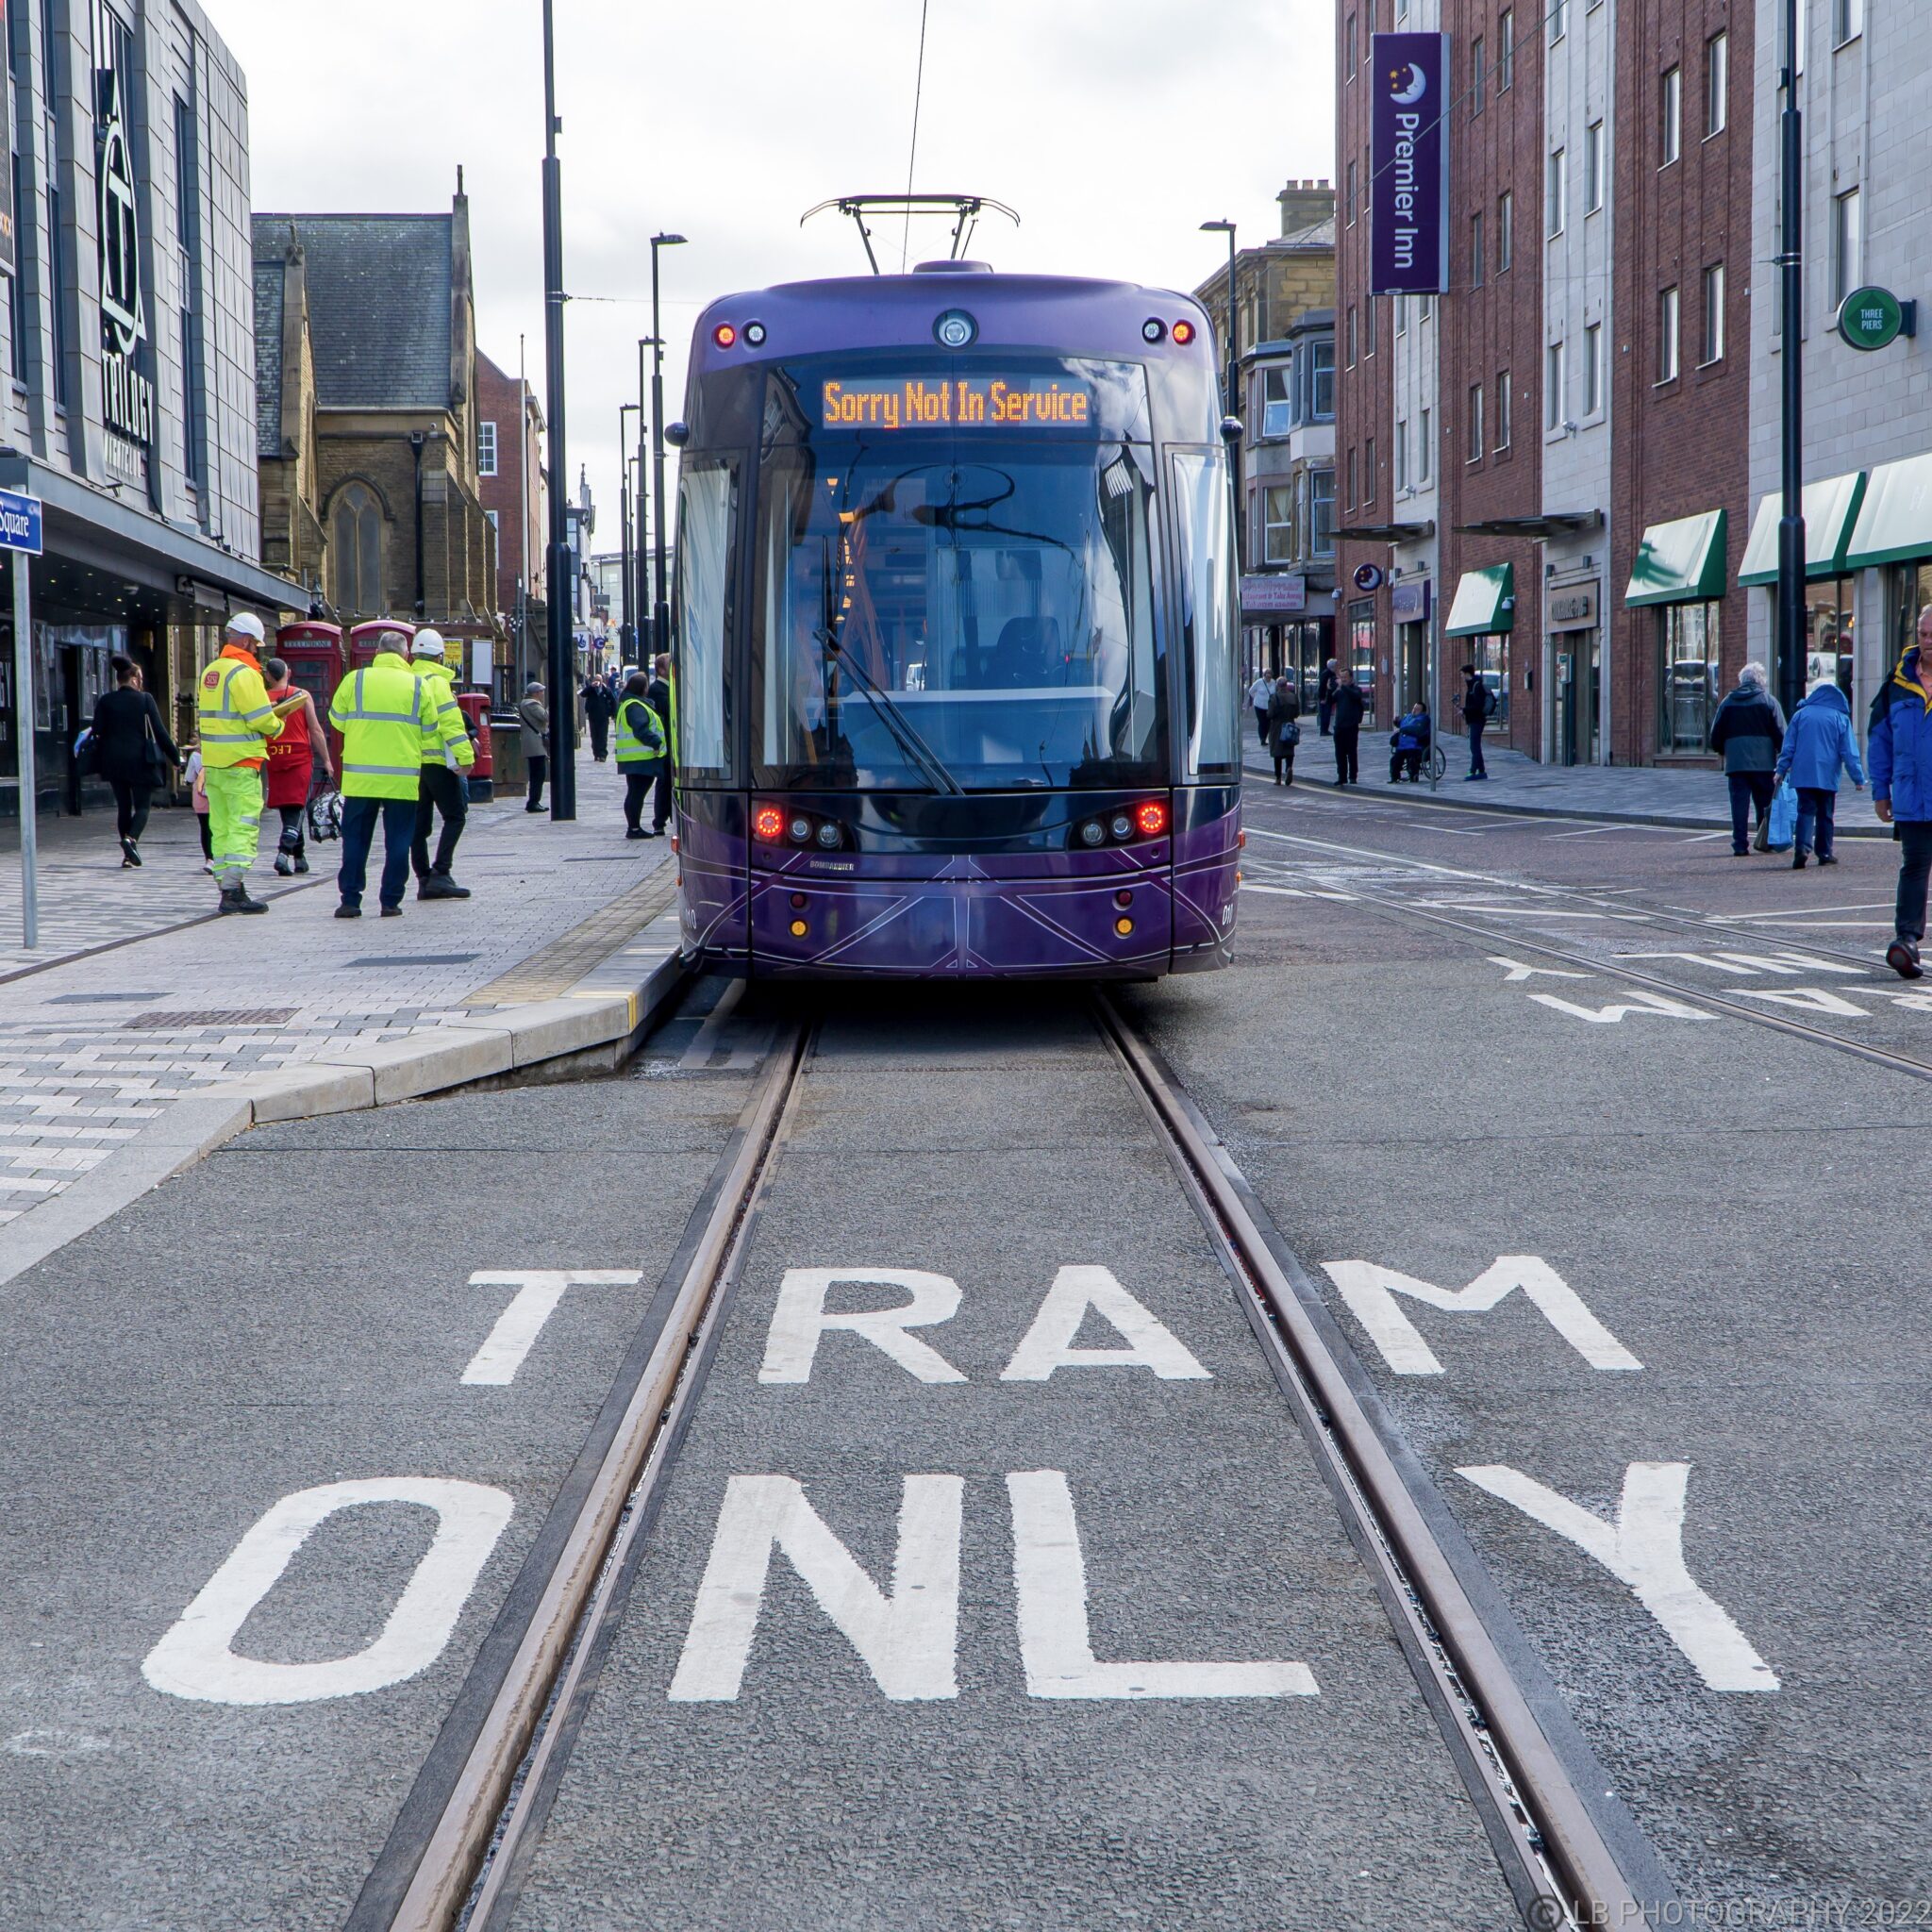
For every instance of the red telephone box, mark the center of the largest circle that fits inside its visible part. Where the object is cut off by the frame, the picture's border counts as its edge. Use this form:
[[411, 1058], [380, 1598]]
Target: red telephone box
[[313, 653], [363, 639]]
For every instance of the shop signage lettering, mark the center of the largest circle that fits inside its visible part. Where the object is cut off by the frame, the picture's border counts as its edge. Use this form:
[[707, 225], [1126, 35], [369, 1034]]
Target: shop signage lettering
[[128, 396], [1408, 602], [1870, 319], [1287, 591], [1408, 168], [917, 402], [1574, 607]]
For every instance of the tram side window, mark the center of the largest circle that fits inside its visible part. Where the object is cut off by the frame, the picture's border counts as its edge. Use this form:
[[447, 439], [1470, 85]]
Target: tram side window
[[707, 519], [1207, 578]]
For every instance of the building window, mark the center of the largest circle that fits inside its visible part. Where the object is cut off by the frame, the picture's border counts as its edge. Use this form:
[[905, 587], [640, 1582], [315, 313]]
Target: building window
[[1277, 412], [1713, 342], [1506, 231], [494, 519], [1277, 525], [1556, 190], [1593, 168], [1401, 316], [1348, 197], [16, 294], [1319, 365], [1687, 676], [1502, 408], [1428, 309], [1592, 369], [1476, 423], [1559, 18], [1348, 47], [1321, 512], [1476, 251], [1424, 451], [1552, 386], [1667, 320], [1478, 77], [1847, 20], [1369, 326], [57, 283], [1489, 655], [1352, 335], [486, 449], [1401, 455], [1351, 498], [1671, 117], [354, 552], [1717, 84], [1847, 245], [1369, 470], [1506, 49]]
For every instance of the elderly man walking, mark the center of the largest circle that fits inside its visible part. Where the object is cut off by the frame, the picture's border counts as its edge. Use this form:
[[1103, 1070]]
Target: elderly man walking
[[1749, 731], [533, 717], [235, 719], [1901, 749]]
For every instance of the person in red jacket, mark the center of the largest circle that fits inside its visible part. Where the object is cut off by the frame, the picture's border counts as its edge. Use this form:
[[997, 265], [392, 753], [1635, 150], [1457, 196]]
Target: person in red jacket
[[292, 762]]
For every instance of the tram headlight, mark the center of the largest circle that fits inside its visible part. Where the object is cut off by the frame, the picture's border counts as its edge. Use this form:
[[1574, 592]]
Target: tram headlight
[[1153, 330], [828, 835], [800, 829], [754, 334], [1093, 833], [1121, 826]]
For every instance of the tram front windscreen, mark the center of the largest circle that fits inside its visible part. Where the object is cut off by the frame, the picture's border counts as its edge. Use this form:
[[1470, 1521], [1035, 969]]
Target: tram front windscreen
[[954, 583]]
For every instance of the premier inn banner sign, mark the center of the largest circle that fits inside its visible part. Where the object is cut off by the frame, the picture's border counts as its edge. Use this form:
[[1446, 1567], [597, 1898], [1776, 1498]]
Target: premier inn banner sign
[[1408, 179]]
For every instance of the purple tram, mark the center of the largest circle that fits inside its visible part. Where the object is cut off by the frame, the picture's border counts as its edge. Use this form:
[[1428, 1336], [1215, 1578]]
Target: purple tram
[[953, 630]]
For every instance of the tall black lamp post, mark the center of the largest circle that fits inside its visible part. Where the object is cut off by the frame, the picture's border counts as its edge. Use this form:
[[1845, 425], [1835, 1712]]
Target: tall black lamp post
[[647, 638], [661, 609], [563, 667], [1231, 391], [626, 620], [1791, 528]]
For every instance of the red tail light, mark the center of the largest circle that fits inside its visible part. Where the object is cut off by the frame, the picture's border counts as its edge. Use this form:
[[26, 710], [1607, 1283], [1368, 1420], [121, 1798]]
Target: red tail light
[[1184, 332], [768, 823], [725, 335], [1151, 819]]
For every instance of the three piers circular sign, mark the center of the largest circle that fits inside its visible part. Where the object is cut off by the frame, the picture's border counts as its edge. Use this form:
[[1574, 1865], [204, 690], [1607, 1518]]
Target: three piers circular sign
[[1873, 319]]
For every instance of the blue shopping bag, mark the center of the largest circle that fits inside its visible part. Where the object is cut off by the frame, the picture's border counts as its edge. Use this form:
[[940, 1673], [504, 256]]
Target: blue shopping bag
[[1781, 831]]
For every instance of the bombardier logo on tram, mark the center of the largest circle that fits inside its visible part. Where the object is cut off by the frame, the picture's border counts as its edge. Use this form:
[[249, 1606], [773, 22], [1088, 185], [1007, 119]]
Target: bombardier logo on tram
[[955, 632]]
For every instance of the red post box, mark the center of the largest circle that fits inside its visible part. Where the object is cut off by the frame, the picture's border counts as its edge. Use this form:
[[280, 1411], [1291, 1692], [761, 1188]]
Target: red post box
[[313, 653], [475, 709]]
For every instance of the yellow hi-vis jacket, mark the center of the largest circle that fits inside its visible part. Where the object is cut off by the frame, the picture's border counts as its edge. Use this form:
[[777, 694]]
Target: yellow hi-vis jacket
[[384, 711], [640, 733], [232, 712], [438, 676]]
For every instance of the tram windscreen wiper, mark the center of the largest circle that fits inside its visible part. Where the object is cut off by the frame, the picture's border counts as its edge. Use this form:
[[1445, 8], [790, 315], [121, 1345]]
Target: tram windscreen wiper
[[893, 719]]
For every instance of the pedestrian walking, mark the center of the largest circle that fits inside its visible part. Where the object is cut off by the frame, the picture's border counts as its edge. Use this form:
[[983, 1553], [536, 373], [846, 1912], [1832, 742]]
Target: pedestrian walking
[[534, 716], [1748, 728], [235, 719], [384, 711], [1408, 744], [1478, 708], [196, 780], [132, 751], [642, 747], [1818, 742], [1325, 696], [1282, 731], [443, 785], [1260, 695], [1901, 748], [293, 759], [663, 697], [600, 707], [1350, 707]]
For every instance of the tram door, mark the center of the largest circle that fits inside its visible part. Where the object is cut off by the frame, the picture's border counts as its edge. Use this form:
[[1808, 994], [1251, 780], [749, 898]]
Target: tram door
[[1576, 698]]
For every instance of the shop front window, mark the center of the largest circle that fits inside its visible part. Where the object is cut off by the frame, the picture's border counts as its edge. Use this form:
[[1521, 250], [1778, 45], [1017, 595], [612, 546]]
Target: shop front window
[[1490, 657], [1688, 674], [1362, 650], [1912, 592], [1830, 633]]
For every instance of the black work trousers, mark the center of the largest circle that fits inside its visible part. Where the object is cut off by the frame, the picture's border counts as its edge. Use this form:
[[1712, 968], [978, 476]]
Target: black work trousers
[[1914, 870], [130, 808], [539, 764], [1749, 790], [638, 781], [661, 804], [1348, 769], [448, 793]]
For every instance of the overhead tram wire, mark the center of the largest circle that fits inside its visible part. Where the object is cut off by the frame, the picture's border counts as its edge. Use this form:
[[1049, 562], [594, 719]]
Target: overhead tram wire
[[912, 150]]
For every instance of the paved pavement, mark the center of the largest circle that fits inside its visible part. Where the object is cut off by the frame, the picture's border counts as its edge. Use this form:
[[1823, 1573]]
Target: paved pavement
[[94, 1048], [1516, 783]]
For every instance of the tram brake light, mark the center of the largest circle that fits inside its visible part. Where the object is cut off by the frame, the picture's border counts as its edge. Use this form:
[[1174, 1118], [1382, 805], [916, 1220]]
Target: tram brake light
[[725, 336], [1151, 818], [1184, 332], [768, 823]]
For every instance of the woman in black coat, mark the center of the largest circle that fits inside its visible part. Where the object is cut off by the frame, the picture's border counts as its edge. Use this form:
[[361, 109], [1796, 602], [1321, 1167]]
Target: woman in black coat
[[1284, 710], [131, 750]]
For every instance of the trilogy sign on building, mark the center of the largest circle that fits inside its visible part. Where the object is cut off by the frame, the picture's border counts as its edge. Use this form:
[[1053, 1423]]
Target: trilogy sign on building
[[128, 395], [1409, 164]]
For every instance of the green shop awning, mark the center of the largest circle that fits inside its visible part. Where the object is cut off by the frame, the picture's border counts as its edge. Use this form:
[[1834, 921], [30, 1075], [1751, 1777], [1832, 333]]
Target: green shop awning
[[1895, 520], [1831, 509], [1485, 603], [1679, 563]]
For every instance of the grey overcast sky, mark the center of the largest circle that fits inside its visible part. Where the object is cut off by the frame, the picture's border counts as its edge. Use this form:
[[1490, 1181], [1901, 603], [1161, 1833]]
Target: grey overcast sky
[[1114, 127]]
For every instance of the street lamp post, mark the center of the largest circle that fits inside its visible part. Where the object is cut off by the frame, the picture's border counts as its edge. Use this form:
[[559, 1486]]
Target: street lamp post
[[1230, 399], [661, 609], [646, 612], [626, 620], [562, 670], [1791, 528]]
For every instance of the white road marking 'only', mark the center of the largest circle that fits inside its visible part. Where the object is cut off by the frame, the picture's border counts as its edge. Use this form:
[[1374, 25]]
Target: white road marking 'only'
[[538, 1293]]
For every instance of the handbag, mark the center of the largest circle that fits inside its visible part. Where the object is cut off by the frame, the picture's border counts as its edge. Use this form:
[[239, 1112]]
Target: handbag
[[325, 815], [154, 760], [1289, 736]]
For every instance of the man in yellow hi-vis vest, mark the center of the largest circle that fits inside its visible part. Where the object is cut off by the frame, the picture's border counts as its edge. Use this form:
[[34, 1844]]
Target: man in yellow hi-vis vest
[[384, 711], [235, 720], [444, 784]]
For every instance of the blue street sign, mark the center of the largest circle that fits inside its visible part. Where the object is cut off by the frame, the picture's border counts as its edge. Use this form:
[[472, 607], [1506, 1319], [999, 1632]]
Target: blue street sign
[[19, 521]]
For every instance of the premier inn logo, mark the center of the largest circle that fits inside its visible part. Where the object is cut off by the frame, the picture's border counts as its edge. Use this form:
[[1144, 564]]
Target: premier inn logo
[[128, 397]]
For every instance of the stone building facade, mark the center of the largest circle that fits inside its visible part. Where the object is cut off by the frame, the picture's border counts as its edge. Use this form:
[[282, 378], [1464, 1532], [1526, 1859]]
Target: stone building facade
[[509, 462]]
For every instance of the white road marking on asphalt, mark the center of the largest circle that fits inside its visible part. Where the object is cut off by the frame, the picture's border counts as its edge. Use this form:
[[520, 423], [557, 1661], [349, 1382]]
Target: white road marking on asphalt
[[1049, 1344], [1645, 1005], [1746, 965], [800, 1318], [1591, 831], [908, 1641], [1370, 1290], [1644, 1549], [194, 1660], [1517, 972], [1807, 999], [1703, 838], [698, 1053], [1794, 913], [1050, 1582], [538, 1293]]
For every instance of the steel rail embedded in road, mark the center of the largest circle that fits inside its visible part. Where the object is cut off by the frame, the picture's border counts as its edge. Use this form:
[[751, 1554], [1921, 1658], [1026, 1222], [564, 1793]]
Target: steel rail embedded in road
[[484, 1816], [1557, 1835]]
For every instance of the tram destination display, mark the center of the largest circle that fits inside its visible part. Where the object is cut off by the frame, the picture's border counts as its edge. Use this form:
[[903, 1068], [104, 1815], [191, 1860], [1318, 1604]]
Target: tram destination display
[[968, 402]]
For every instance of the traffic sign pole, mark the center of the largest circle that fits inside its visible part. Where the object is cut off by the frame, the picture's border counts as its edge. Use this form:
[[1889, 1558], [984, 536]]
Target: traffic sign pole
[[23, 740]]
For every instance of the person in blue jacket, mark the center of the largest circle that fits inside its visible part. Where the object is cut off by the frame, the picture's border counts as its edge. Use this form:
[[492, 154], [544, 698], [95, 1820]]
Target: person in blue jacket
[[1900, 746], [1408, 742], [1817, 741]]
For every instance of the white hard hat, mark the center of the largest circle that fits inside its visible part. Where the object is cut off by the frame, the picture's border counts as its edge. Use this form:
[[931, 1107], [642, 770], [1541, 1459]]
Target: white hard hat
[[244, 624], [429, 643]]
